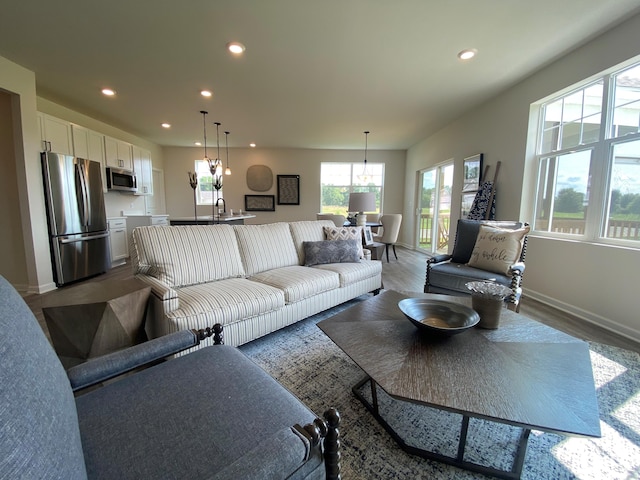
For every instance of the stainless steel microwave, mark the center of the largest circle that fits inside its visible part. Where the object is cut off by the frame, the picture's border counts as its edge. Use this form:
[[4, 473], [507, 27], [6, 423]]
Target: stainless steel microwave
[[121, 180]]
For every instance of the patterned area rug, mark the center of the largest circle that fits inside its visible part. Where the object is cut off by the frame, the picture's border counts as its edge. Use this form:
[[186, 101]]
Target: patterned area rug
[[305, 361]]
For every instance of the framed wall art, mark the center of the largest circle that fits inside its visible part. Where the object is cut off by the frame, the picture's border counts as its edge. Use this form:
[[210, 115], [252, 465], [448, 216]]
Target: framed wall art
[[259, 203], [472, 168], [288, 189], [466, 204]]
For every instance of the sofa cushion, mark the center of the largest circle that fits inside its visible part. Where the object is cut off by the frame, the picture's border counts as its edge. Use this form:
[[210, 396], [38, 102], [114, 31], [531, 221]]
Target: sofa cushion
[[351, 273], [308, 231], [187, 255], [331, 251], [345, 233], [163, 436], [225, 302], [466, 234], [496, 249], [264, 247], [454, 276], [298, 282]]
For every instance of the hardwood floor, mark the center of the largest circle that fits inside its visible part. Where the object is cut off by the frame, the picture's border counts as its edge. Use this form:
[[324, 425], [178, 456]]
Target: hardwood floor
[[407, 275]]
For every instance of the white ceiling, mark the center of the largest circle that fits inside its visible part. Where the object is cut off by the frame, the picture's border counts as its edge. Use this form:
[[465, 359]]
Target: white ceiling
[[316, 74]]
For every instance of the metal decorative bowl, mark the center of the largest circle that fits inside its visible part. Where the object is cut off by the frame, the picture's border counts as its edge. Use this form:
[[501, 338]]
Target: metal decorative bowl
[[439, 316]]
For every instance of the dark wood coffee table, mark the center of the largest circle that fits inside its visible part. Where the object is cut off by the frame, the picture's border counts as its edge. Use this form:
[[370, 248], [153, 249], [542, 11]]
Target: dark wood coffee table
[[524, 374]]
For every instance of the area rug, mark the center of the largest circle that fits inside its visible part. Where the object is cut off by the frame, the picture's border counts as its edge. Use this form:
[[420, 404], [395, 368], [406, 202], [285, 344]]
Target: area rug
[[305, 361]]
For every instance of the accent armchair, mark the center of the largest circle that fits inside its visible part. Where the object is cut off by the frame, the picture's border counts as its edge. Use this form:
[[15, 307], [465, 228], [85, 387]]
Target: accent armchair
[[209, 414], [483, 250], [390, 230]]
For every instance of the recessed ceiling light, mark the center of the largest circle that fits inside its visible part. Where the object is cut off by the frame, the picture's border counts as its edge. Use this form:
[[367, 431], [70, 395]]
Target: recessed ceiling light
[[206, 93], [236, 48], [108, 92], [198, 144], [166, 125], [252, 145], [467, 54]]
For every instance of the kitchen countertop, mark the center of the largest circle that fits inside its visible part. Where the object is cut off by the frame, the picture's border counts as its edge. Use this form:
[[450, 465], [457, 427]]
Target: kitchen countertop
[[217, 218]]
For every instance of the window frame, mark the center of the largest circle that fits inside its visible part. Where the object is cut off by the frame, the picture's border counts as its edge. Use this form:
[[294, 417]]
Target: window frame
[[353, 187], [601, 164]]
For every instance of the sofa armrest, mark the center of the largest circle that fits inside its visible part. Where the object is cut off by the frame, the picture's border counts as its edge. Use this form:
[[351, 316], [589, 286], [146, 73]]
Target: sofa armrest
[[517, 268], [158, 288], [102, 368], [439, 259]]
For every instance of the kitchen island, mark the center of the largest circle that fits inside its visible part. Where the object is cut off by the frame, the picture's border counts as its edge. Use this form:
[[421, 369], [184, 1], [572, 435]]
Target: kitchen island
[[211, 220]]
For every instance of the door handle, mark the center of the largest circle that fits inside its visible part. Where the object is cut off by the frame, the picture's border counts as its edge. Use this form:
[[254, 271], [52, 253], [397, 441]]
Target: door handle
[[64, 241]]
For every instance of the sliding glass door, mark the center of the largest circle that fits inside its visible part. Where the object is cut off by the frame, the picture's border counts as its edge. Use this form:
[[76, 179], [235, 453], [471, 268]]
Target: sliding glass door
[[434, 208]]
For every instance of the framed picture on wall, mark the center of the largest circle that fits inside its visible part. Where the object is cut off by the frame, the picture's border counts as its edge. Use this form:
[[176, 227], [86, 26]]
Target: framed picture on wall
[[466, 204], [472, 168], [259, 203], [288, 189]]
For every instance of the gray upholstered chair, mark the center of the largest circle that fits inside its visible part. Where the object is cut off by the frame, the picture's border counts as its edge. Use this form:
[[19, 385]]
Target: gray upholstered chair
[[208, 414], [449, 274], [390, 230], [338, 220]]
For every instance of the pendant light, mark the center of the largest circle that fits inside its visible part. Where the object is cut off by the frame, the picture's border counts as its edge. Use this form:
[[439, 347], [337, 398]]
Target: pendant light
[[226, 141], [215, 166], [365, 177]]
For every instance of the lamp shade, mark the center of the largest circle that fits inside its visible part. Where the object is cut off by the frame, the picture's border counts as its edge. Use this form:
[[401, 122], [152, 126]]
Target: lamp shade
[[362, 202]]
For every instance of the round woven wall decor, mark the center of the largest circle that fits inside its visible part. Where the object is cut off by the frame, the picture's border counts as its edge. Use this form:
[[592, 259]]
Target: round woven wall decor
[[259, 178]]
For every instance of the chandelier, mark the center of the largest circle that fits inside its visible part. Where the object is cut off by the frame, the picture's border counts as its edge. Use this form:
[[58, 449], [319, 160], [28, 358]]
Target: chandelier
[[215, 166]]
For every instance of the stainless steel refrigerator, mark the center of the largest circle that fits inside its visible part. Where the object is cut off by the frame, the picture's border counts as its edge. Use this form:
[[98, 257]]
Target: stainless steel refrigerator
[[77, 218]]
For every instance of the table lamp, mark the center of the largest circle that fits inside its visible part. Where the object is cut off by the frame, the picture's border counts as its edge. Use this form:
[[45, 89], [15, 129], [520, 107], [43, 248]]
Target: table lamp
[[362, 202]]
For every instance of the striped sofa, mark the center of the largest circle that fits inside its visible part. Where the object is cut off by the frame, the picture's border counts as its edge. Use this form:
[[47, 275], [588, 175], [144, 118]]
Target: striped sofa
[[249, 278]]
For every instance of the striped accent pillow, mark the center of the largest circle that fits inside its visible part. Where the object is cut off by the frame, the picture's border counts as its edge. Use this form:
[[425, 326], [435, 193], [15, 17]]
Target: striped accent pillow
[[187, 255], [264, 247]]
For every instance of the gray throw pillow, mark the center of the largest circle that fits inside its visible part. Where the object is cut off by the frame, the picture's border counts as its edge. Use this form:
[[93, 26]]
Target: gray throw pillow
[[466, 235], [331, 251]]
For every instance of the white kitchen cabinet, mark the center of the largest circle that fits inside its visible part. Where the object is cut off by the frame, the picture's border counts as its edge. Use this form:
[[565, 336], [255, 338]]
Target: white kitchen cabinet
[[155, 204], [118, 154], [143, 169], [119, 237], [55, 134], [90, 145]]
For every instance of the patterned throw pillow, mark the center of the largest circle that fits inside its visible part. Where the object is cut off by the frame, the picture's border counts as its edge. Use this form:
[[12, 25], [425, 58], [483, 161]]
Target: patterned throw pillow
[[345, 233], [497, 249], [330, 251]]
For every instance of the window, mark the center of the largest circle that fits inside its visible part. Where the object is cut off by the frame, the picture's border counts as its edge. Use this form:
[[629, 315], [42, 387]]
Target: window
[[338, 180], [588, 161], [204, 190]]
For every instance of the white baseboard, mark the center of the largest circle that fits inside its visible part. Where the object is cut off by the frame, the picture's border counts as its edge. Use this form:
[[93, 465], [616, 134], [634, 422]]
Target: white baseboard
[[585, 315], [39, 289]]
